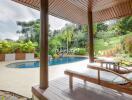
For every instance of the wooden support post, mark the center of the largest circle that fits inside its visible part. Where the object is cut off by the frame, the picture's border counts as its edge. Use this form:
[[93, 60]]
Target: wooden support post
[[71, 82], [98, 76], [90, 32], [85, 82], [44, 45]]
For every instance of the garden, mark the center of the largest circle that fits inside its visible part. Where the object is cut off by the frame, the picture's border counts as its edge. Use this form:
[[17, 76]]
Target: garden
[[111, 39], [10, 50]]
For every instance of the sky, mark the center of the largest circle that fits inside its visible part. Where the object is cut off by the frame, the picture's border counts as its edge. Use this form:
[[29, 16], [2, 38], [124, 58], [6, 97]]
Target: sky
[[10, 12]]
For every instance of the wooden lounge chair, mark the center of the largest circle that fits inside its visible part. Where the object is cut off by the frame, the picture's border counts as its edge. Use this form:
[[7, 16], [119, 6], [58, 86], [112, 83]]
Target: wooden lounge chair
[[111, 64], [103, 77], [120, 69]]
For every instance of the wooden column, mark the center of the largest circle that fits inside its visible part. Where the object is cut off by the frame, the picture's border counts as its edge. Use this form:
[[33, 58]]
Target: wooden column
[[90, 34], [44, 45]]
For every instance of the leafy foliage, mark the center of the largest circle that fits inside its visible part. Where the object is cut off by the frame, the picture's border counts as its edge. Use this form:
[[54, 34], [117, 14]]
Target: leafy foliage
[[101, 27], [80, 51], [76, 36], [28, 47], [127, 45], [123, 25], [105, 34], [6, 47], [12, 47], [54, 44]]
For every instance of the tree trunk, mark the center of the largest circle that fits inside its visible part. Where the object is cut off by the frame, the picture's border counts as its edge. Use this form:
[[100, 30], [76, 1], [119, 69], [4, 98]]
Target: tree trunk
[[67, 46]]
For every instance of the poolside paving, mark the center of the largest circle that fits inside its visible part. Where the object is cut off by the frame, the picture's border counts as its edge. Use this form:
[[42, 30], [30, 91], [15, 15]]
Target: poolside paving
[[21, 80]]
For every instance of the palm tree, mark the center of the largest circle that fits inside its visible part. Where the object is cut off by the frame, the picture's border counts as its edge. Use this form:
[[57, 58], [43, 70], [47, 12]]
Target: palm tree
[[68, 35]]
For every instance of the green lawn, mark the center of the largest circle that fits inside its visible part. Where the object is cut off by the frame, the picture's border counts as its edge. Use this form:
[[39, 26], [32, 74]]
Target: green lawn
[[101, 44]]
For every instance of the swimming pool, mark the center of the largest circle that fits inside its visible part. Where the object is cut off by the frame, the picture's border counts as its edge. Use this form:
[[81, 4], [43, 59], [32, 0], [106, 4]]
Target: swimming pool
[[34, 64]]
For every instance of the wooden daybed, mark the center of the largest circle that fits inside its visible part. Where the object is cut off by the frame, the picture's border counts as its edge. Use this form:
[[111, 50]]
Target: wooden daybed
[[103, 77]]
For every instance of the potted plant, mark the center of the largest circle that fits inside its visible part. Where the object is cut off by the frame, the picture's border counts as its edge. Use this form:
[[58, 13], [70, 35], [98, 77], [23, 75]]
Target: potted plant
[[8, 50], [20, 55], [29, 49]]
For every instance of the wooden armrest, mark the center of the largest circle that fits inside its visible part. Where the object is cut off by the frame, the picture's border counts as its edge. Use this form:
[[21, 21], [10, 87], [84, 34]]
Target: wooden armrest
[[107, 70], [124, 68]]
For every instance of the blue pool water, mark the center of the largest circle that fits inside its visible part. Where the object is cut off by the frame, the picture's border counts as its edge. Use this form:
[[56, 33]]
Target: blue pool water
[[34, 64]]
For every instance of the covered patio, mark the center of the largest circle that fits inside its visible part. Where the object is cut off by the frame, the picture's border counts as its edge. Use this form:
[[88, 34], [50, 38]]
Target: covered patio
[[79, 12]]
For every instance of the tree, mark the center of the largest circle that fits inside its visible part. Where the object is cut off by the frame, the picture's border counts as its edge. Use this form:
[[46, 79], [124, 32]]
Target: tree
[[36, 32], [80, 36], [127, 44], [54, 43], [68, 34], [123, 25], [101, 27], [26, 28], [31, 30]]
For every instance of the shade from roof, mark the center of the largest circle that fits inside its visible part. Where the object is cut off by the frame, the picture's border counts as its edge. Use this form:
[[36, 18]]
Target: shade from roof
[[76, 10]]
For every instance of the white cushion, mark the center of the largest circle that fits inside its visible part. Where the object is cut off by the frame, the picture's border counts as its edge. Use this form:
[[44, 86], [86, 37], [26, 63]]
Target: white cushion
[[106, 76]]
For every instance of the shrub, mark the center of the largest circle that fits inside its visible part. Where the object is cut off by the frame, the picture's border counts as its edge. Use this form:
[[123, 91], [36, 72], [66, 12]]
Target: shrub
[[1, 48], [19, 47], [56, 56], [7, 47], [127, 44], [51, 52], [28, 47], [80, 51], [105, 35], [37, 54], [12, 47]]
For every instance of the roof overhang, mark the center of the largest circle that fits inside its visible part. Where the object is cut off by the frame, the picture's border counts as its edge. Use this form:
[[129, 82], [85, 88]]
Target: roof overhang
[[76, 10]]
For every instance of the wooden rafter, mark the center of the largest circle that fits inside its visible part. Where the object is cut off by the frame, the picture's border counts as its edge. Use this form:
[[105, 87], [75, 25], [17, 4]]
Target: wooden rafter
[[76, 10]]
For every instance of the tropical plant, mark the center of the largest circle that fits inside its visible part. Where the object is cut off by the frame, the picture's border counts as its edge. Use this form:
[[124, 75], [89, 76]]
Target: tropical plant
[[127, 45], [68, 32], [1, 51], [79, 51], [80, 39], [106, 34], [54, 44], [123, 25], [6, 47], [102, 27], [28, 47], [18, 47]]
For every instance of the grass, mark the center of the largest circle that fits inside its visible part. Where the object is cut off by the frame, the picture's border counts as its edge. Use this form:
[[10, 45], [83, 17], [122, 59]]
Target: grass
[[101, 44]]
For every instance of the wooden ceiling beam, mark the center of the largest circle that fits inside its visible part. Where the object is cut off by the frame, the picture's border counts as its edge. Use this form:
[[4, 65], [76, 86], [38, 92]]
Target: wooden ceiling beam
[[76, 10]]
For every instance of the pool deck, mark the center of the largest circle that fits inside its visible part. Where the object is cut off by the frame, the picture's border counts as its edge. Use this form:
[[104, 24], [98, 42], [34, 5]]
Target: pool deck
[[21, 80]]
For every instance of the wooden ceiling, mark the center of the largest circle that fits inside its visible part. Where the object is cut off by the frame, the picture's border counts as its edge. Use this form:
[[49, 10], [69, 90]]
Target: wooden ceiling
[[76, 10]]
